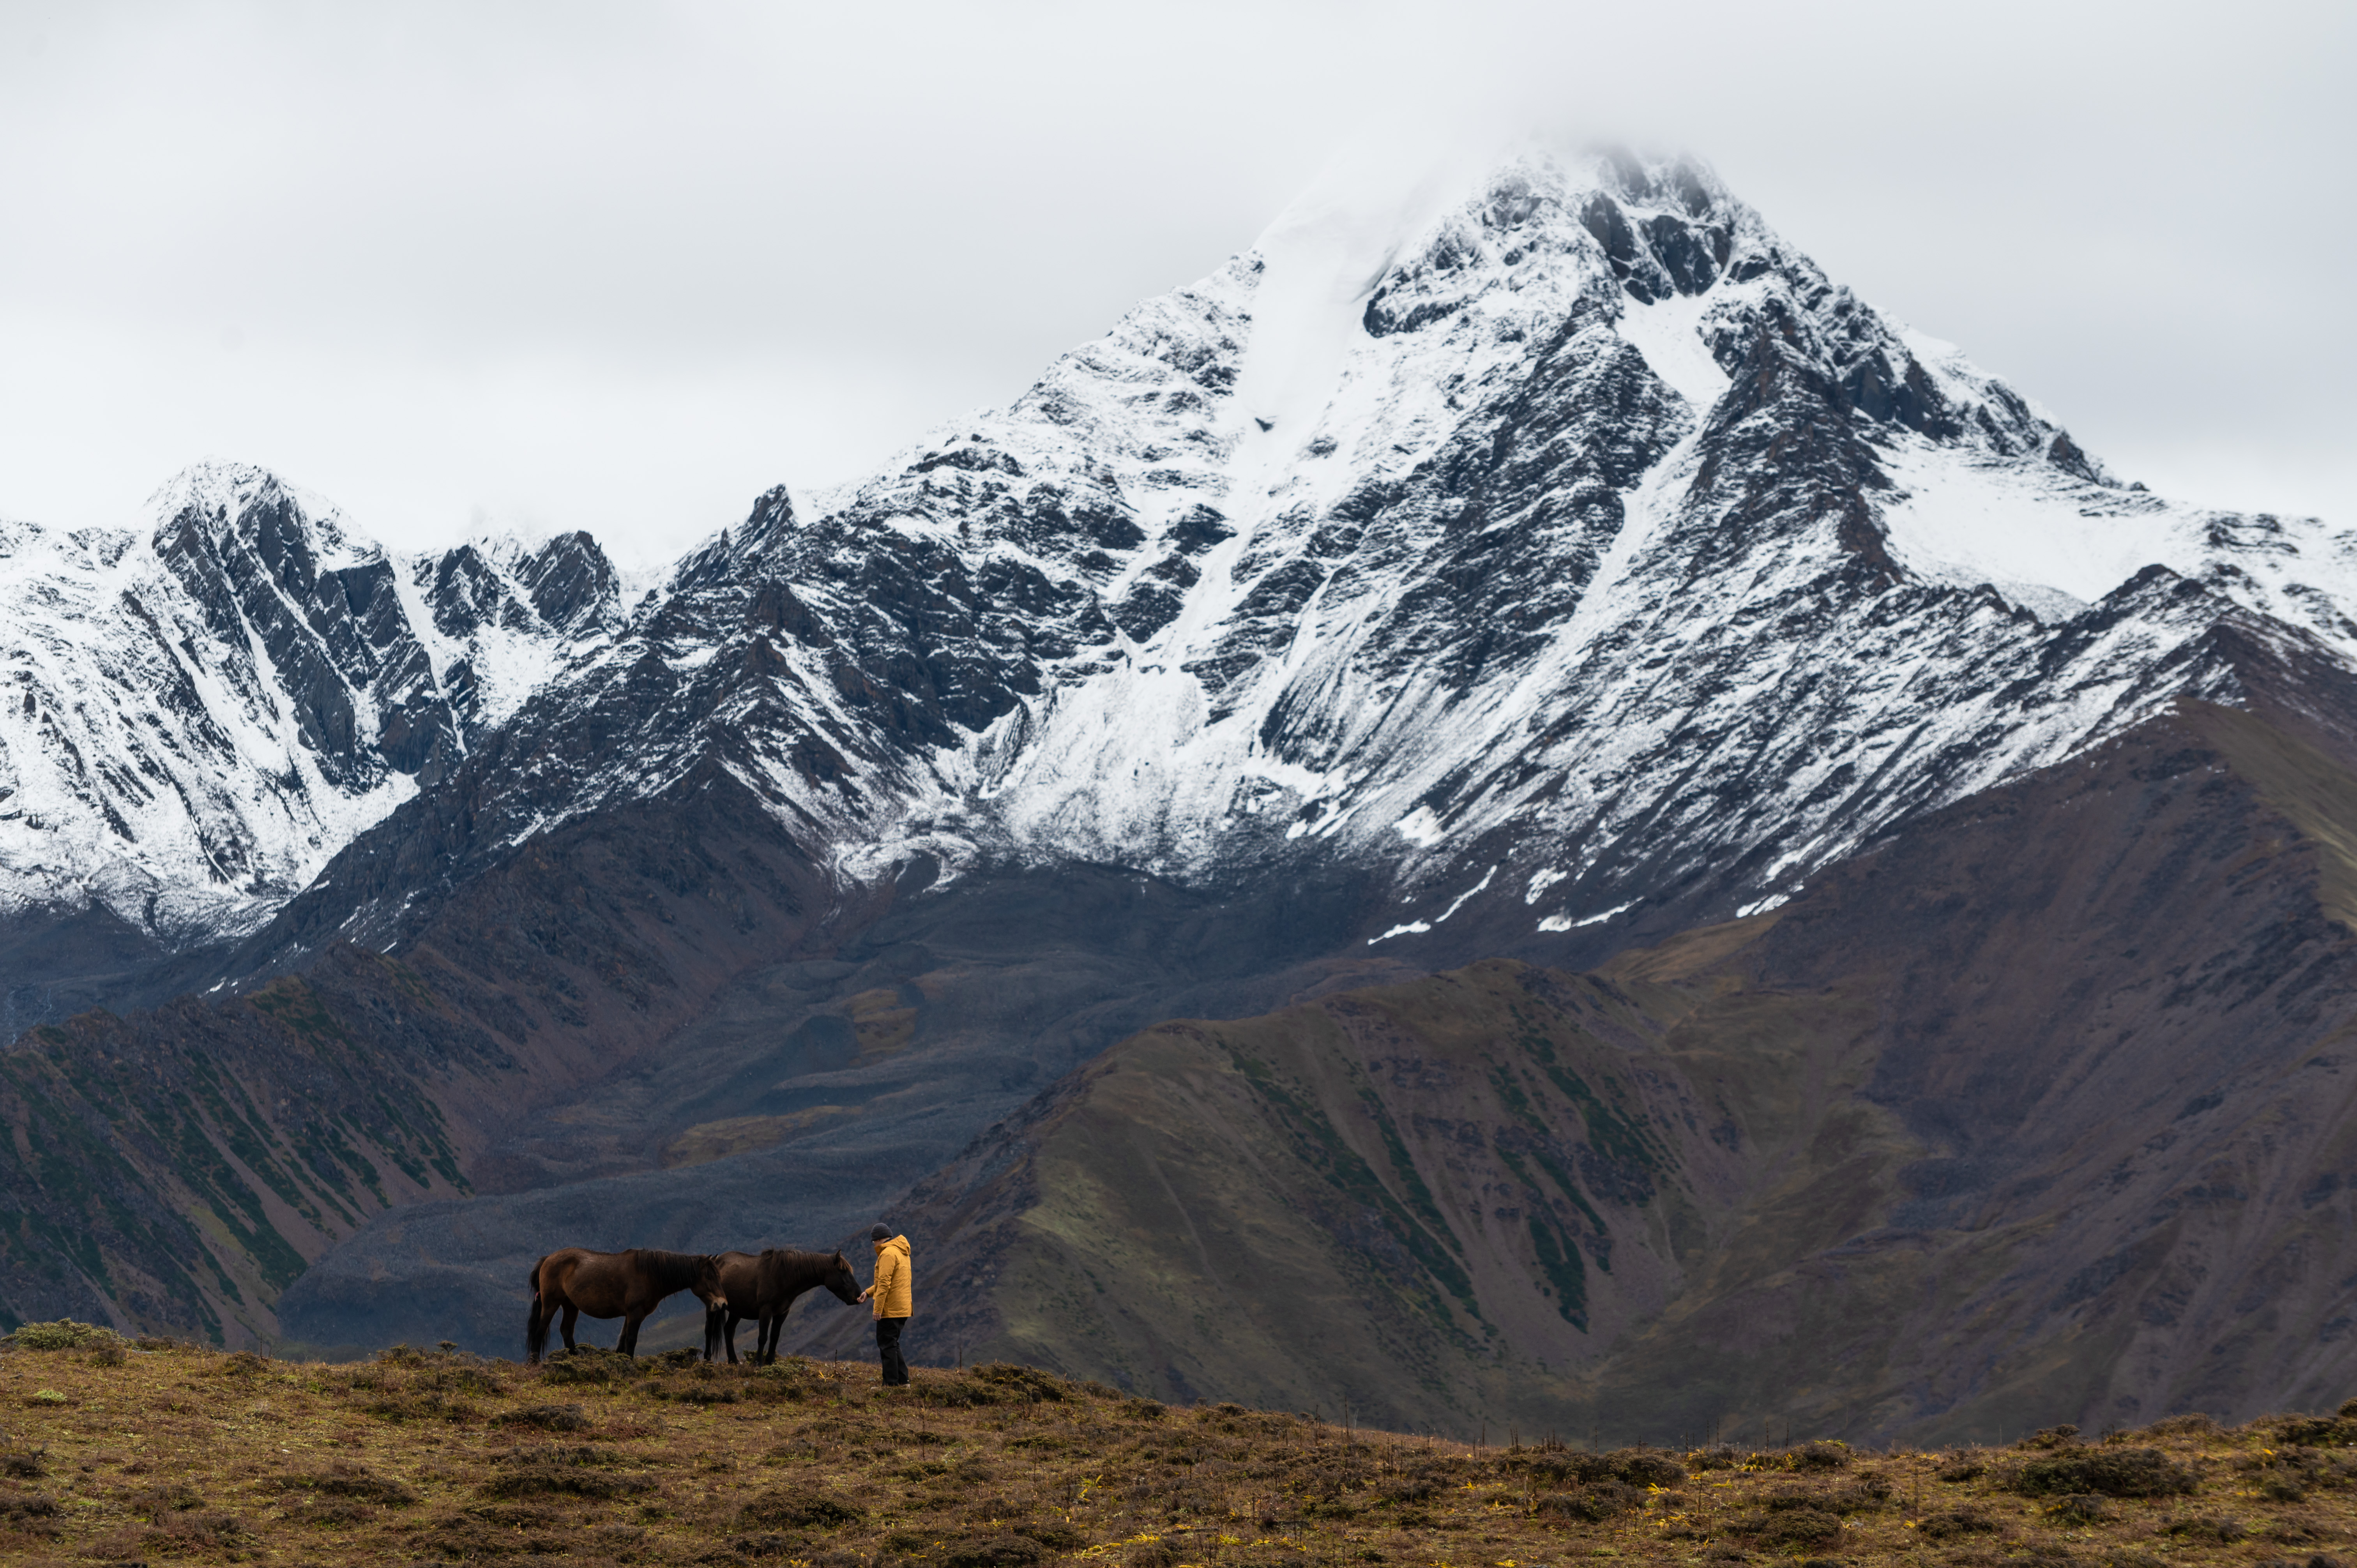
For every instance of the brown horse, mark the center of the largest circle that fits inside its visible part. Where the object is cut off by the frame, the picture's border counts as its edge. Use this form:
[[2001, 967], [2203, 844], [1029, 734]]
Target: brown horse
[[765, 1288], [627, 1285]]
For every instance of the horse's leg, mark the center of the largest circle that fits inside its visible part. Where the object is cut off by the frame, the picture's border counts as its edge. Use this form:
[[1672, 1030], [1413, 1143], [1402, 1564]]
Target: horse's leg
[[572, 1315], [777, 1326], [629, 1345], [733, 1321]]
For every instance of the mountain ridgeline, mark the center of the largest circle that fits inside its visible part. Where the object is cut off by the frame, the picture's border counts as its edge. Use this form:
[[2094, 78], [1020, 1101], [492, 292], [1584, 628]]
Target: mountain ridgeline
[[1708, 844]]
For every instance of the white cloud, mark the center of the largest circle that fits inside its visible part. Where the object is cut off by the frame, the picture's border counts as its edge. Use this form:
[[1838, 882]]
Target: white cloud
[[623, 266]]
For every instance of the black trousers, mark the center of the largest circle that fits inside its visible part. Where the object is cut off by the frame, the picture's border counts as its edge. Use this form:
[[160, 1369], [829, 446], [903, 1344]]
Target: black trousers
[[888, 1350]]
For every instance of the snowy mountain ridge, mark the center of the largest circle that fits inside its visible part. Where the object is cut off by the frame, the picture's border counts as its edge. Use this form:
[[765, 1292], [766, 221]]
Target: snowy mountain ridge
[[1561, 545], [1405, 577], [195, 716]]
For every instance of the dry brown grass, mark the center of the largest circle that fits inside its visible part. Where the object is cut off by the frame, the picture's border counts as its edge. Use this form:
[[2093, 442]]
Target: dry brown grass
[[174, 1454]]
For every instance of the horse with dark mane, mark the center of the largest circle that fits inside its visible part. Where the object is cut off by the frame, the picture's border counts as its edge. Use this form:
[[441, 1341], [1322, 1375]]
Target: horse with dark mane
[[764, 1288], [627, 1285]]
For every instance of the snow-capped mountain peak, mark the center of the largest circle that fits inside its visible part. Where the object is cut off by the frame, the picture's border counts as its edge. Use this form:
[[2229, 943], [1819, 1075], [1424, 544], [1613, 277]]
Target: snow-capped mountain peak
[[196, 715], [1554, 545], [231, 504], [1480, 529]]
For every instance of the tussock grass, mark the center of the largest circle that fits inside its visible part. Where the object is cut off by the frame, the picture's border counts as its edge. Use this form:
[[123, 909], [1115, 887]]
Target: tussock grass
[[175, 1454]]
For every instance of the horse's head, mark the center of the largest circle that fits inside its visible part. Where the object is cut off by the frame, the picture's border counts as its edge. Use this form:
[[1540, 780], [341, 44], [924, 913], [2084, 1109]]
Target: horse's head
[[839, 1279], [707, 1286]]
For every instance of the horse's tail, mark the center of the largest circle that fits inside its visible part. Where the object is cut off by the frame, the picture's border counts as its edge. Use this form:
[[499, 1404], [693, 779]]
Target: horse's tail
[[535, 1328]]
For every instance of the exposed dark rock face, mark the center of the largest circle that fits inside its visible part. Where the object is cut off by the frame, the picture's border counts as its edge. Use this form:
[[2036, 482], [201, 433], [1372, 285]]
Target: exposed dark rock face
[[1569, 647], [199, 715]]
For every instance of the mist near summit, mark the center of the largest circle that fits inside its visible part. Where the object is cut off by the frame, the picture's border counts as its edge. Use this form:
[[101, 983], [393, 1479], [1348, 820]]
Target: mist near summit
[[621, 268]]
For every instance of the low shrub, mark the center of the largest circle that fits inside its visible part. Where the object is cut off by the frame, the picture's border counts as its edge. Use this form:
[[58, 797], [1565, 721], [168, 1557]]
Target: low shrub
[[2114, 1472], [1631, 1466], [203, 1532], [65, 1334], [157, 1502], [2079, 1508], [1002, 1382], [1796, 1526], [1646, 1467], [548, 1417], [354, 1482], [589, 1365], [992, 1551], [1956, 1522], [1596, 1501], [798, 1510], [763, 1547], [2062, 1436], [1054, 1537], [2193, 1426], [1414, 1487], [574, 1472]]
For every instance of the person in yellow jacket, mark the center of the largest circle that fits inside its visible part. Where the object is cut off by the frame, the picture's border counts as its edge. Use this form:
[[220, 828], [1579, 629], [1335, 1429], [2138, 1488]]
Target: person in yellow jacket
[[893, 1300]]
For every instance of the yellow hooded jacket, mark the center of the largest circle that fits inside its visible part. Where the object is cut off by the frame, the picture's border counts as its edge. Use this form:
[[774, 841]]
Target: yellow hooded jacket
[[894, 1296]]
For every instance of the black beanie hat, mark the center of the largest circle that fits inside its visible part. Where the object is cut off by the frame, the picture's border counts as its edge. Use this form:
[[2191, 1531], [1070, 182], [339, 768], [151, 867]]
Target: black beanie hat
[[881, 1233]]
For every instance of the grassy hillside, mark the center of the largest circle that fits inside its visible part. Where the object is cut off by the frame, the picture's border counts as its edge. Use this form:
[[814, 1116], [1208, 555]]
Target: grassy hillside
[[187, 1167], [117, 1453], [2042, 1112]]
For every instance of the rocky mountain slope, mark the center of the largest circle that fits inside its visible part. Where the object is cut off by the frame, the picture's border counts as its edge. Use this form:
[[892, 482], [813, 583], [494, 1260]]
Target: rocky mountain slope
[[1574, 553], [2041, 1110], [1530, 570], [195, 716]]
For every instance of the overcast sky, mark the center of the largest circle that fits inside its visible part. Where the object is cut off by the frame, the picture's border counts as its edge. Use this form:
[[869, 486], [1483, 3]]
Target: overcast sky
[[623, 266]]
